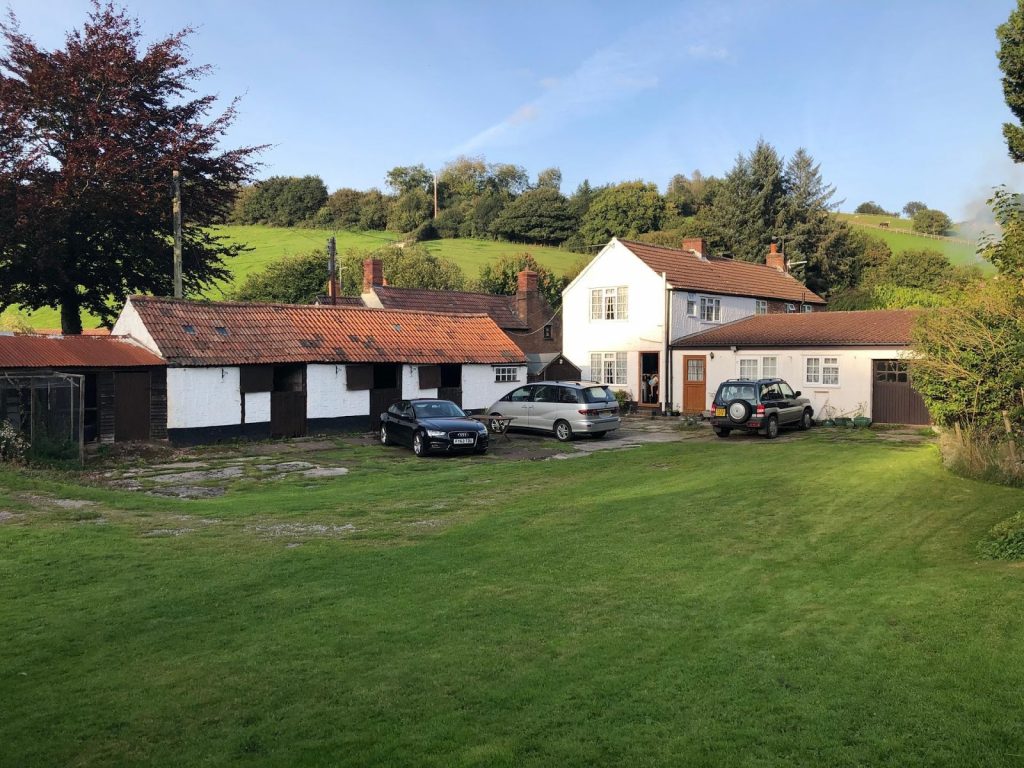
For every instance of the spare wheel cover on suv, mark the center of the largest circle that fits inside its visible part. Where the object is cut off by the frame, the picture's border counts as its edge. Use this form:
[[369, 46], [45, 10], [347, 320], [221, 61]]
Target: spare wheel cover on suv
[[738, 411]]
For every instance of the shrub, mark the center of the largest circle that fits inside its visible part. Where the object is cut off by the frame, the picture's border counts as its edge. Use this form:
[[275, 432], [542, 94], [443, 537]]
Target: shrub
[[970, 453], [1006, 539], [13, 445]]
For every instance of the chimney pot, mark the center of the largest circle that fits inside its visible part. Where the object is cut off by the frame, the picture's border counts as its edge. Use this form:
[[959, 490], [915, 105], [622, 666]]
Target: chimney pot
[[775, 258]]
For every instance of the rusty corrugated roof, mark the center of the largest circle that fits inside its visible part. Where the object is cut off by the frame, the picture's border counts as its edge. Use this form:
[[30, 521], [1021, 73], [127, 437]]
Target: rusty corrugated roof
[[687, 272], [501, 309], [879, 327], [235, 333], [34, 351]]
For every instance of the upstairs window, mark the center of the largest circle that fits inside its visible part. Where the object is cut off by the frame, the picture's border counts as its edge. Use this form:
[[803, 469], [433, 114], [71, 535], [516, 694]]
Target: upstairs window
[[609, 303], [806, 308], [760, 307], [710, 310]]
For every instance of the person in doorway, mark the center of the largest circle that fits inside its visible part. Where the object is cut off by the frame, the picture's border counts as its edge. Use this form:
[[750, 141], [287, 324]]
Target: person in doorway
[[653, 382]]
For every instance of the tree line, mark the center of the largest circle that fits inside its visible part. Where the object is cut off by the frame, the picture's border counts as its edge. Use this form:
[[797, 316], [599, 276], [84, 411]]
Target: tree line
[[929, 221]]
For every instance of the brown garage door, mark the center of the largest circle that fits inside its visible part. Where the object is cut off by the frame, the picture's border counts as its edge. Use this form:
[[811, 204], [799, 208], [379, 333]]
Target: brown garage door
[[131, 405], [893, 397]]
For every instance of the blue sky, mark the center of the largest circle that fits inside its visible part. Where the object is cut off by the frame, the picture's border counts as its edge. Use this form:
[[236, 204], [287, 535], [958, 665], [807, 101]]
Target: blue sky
[[898, 101]]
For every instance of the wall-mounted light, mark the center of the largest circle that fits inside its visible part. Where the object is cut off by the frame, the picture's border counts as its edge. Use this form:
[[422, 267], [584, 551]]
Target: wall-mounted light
[[711, 355]]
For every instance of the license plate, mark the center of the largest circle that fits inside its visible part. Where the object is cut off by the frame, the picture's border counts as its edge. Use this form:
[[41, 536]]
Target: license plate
[[463, 441], [719, 411]]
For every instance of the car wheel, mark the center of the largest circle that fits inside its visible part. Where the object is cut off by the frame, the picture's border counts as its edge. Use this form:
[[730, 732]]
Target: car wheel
[[771, 429], [384, 439], [722, 431], [738, 410], [563, 431], [805, 419], [419, 444], [599, 435]]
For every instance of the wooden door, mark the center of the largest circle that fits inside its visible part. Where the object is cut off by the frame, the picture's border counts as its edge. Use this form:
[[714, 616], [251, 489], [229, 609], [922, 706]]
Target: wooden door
[[287, 414], [380, 400], [893, 397], [694, 384], [131, 405]]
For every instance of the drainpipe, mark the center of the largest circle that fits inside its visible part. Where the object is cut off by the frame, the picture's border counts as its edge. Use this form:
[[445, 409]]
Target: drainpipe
[[666, 378]]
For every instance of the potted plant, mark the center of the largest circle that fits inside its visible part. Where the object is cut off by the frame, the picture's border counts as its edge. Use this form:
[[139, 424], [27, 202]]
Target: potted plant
[[828, 416], [859, 419], [844, 420]]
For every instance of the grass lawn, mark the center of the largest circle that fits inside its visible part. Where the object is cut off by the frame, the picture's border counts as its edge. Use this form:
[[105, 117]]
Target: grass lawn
[[270, 243], [901, 237], [671, 604]]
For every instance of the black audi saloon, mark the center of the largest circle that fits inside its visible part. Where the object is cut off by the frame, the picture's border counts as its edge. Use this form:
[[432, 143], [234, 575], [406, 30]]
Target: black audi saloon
[[432, 426]]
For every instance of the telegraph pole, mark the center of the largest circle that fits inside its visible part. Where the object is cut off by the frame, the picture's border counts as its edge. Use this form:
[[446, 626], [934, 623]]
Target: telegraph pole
[[332, 270], [435, 195], [176, 181]]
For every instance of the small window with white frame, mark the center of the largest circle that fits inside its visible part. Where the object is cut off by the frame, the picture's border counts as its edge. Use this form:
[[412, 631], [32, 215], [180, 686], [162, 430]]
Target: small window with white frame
[[769, 367], [748, 367], [791, 307], [506, 373], [760, 306], [710, 309], [806, 308], [823, 371], [608, 367], [609, 303], [691, 308]]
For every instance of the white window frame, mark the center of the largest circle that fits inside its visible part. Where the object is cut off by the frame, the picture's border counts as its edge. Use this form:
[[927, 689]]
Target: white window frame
[[613, 301], [826, 370], [691, 307], [806, 308], [599, 366], [760, 306], [710, 309], [790, 307], [769, 361], [506, 373], [745, 362]]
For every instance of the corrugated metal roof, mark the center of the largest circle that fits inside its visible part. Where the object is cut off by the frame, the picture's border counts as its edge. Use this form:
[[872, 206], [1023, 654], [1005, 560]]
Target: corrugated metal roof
[[687, 272], [881, 327], [34, 351], [235, 333]]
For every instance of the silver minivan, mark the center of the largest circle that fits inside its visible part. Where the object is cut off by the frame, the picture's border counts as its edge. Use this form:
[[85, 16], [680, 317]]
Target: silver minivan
[[565, 408]]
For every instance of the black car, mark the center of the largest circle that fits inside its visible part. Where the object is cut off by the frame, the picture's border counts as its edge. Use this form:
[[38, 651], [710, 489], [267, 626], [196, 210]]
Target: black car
[[759, 405], [432, 425]]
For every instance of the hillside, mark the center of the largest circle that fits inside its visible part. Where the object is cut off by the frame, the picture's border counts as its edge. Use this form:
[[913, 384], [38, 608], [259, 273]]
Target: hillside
[[270, 243], [899, 236]]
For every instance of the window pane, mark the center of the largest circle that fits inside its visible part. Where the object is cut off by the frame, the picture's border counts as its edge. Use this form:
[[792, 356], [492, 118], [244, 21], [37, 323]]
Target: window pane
[[813, 370], [769, 367], [748, 369]]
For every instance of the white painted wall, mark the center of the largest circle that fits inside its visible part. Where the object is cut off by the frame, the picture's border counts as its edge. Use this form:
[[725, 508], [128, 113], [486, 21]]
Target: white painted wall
[[203, 397], [479, 389], [130, 324], [257, 407], [855, 374], [642, 331], [327, 396], [411, 384]]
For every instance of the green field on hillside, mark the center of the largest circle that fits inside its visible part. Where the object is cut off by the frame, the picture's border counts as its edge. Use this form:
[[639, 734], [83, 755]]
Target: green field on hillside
[[270, 243], [636, 607], [900, 237]]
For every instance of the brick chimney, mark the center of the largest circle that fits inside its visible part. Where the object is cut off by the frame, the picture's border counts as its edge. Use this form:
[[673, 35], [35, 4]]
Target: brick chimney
[[373, 274], [526, 293], [775, 258], [695, 244]]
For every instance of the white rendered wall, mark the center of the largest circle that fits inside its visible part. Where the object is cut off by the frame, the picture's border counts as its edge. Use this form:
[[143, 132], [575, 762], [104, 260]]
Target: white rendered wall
[[479, 389], [411, 384], [130, 324], [203, 397], [642, 331], [856, 372], [327, 396], [257, 407]]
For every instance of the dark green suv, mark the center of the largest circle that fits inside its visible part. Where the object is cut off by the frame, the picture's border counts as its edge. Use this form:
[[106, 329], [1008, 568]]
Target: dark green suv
[[759, 405]]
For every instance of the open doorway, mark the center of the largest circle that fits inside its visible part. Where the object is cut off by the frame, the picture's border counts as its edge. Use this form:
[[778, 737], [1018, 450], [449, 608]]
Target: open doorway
[[650, 382]]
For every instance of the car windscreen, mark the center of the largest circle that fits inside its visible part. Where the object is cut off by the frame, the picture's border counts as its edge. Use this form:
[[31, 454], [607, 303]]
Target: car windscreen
[[737, 392], [596, 395], [439, 410]]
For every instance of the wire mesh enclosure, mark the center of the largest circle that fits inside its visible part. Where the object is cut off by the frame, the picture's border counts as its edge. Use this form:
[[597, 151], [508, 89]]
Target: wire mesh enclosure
[[48, 409]]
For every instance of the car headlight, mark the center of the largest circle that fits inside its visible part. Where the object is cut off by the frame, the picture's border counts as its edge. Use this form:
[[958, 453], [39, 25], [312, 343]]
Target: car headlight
[[436, 433]]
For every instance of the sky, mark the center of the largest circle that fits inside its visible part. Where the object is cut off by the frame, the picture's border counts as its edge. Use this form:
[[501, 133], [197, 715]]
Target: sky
[[897, 101]]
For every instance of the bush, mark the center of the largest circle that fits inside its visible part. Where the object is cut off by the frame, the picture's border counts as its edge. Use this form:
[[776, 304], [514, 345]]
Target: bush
[[932, 222], [13, 445], [872, 208], [1006, 539], [971, 453], [422, 233]]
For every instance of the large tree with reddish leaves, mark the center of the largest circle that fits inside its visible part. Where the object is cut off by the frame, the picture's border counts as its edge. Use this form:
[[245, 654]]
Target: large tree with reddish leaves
[[89, 137]]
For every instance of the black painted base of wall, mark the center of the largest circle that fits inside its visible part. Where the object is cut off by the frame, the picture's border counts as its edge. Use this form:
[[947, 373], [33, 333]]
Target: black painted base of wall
[[261, 430]]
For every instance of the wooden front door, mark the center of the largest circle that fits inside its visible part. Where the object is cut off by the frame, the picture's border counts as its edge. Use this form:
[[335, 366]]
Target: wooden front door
[[287, 414], [694, 385], [131, 405]]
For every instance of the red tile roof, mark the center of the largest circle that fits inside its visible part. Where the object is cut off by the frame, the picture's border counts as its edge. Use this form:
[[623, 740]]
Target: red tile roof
[[687, 272], [233, 333], [881, 327], [502, 309], [34, 351]]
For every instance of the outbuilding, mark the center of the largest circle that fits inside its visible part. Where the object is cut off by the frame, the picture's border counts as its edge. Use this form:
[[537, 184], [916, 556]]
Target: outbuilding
[[847, 363], [280, 370]]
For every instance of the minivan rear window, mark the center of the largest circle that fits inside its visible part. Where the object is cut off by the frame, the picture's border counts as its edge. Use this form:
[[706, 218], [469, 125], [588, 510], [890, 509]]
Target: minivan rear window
[[597, 395]]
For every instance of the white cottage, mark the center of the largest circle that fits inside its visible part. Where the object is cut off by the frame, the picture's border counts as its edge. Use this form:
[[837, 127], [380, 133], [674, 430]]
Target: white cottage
[[281, 370], [846, 363], [621, 312]]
